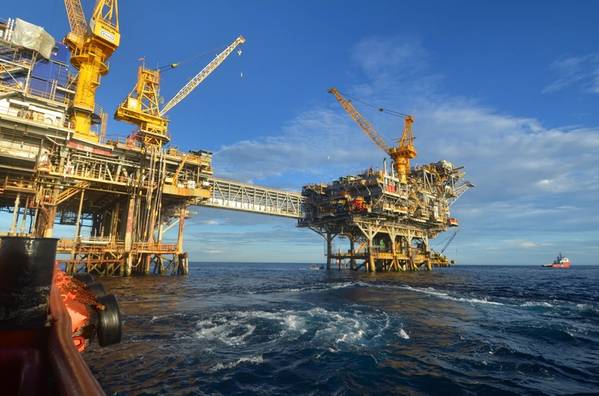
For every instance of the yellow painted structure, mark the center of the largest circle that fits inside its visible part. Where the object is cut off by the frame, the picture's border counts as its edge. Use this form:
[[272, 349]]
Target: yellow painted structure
[[141, 107], [91, 47], [400, 154]]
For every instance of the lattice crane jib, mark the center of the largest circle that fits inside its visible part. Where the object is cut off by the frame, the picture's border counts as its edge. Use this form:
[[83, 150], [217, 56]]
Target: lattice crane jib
[[91, 46], [141, 107], [361, 121], [201, 76], [401, 154], [76, 18]]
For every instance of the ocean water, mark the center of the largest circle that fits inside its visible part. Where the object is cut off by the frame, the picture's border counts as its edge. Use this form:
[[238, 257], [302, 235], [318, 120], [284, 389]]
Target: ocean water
[[273, 329]]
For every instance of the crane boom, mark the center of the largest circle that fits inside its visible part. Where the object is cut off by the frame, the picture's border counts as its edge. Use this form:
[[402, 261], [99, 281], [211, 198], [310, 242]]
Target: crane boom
[[76, 17], [451, 238], [361, 121], [401, 154], [459, 190], [201, 76]]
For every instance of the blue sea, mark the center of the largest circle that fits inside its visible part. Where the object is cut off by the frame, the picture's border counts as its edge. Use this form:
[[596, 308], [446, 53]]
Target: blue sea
[[290, 329]]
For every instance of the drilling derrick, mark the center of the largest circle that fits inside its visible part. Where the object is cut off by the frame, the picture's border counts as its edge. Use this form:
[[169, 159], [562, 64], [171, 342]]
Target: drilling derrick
[[387, 218]]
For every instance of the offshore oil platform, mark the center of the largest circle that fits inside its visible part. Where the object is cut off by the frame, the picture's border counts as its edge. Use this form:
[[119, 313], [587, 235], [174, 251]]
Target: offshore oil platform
[[120, 196], [388, 217], [57, 167]]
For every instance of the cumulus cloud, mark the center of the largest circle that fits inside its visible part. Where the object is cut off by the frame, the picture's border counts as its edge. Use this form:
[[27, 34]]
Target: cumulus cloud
[[575, 71], [310, 147]]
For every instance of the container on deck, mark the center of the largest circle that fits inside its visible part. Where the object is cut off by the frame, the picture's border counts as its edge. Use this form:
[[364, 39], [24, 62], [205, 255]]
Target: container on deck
[[26, 269]]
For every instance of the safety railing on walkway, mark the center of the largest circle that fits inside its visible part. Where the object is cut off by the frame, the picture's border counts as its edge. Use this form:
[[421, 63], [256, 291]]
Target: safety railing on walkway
[[234, 195]]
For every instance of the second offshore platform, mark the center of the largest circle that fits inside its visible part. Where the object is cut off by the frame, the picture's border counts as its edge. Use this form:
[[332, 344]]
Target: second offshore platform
[[120, 196]]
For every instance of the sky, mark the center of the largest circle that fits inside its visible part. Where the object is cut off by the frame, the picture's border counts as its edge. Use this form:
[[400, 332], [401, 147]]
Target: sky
[[508, 89]]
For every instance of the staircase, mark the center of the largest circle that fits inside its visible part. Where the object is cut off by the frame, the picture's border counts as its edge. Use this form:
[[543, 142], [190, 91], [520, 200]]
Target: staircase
[[71, 192]]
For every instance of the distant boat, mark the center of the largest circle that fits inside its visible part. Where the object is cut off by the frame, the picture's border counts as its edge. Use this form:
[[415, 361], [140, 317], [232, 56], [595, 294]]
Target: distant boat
[[559, 262]]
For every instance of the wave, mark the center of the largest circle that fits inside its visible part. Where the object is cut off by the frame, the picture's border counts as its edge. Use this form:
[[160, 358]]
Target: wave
[[543, 304], [228, 332], [229, 365], [402, 334], [587, 308], [311, 287], [433, 292], [584, 308], [316, 326]]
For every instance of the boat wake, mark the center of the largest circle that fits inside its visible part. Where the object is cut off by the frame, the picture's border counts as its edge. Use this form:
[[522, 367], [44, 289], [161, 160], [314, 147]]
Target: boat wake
[[316, 327]]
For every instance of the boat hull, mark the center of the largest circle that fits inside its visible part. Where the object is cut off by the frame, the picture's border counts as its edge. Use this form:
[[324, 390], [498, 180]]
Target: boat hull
[[558, 266]]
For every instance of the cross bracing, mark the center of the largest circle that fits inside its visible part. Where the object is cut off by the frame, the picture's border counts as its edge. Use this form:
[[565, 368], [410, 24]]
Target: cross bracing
[[234, 195]]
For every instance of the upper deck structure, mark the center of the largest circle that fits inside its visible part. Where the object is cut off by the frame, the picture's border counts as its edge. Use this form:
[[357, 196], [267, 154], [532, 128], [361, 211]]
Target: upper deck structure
[[388, 223]]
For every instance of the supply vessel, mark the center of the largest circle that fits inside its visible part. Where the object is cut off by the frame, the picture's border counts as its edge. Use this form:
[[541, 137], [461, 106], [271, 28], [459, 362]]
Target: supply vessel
[[559, 262]]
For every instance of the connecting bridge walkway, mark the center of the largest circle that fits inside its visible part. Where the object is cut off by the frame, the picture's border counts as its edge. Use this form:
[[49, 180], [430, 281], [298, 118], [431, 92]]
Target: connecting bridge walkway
[[234, 195]]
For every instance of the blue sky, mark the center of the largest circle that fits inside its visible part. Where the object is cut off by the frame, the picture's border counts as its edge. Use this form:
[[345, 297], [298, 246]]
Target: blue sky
[[508, 89]]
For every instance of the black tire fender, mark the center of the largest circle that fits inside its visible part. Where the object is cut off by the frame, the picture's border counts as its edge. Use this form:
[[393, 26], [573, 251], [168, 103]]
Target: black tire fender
[[109, 321]]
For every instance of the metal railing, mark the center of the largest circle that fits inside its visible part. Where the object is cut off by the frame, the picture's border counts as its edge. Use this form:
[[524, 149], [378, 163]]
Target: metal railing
[[234, 195]]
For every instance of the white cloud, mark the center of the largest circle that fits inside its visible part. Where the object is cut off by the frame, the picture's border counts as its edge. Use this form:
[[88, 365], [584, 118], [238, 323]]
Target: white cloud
[[311, 145], [577, 71], [529, 245], [381, 57], [209, 221]]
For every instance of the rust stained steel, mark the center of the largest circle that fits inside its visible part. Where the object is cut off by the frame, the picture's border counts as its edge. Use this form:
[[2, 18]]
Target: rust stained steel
[[102, 185], [123, 193]]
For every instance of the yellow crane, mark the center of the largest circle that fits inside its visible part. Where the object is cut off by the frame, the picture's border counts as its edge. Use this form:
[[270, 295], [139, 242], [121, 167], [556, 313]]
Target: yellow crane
[[400, 154], [91, 46], [142, 106]]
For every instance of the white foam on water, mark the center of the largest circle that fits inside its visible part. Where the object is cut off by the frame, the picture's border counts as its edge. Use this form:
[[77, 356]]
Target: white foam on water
[[385, 327], [224, 331], [314, 287], [587, 308], [476, 300], [323, 326], [160, 317], [537, 304], [343, 285], [229, 365], [295, 323], [433, 292], [402, 334]]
